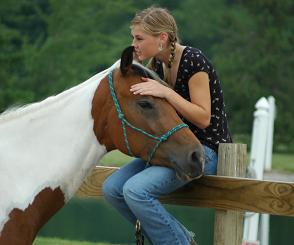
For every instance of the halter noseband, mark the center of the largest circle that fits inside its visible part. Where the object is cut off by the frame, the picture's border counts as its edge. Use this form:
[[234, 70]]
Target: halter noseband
[[125, 123]]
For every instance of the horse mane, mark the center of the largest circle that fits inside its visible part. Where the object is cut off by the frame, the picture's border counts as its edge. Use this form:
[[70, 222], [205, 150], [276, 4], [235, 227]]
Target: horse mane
[[143, 71], [22, 110], [19, 111]]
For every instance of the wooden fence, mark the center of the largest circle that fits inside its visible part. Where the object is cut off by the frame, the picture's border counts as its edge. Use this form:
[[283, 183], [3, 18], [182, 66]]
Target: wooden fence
[[231, 196]]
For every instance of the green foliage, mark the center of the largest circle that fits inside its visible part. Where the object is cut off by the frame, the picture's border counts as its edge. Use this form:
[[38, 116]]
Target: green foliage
[[198, 22], [255, 59], [47, 46], [82, 40], [20, 27]]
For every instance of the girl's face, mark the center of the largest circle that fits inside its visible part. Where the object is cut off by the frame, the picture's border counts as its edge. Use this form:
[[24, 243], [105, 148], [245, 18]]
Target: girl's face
[[145, 45]]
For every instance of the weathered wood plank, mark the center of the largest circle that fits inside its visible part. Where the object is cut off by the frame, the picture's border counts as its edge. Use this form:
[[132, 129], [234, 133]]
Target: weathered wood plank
[[228, 224], [92, 186], [216, 192]]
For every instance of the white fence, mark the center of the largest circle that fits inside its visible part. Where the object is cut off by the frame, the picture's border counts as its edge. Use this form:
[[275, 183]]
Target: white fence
[[256, 230]]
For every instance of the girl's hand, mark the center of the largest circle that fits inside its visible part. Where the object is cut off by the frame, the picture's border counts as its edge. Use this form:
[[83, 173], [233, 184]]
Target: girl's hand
[[150, 87]]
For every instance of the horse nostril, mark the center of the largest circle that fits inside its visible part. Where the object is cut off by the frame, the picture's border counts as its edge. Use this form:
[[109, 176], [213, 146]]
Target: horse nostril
[[196, 166], [194, 156]]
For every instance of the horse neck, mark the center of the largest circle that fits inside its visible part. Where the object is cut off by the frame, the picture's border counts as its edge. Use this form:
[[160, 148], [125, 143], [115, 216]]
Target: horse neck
[[50, 145], [107, 125]]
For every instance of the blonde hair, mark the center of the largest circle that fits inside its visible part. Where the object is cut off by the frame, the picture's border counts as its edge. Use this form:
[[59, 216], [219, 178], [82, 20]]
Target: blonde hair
[[155, 20]]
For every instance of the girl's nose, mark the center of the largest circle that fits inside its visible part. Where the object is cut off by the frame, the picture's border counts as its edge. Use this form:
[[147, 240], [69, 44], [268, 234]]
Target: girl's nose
[[134, 43]]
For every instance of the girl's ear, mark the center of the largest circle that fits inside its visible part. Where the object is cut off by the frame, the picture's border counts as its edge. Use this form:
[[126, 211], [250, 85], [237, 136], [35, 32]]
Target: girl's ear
[[163, 37], [126, 60]]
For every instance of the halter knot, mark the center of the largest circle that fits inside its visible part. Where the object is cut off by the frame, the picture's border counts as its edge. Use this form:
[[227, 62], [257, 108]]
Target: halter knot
[[121, 116], [163, 138]]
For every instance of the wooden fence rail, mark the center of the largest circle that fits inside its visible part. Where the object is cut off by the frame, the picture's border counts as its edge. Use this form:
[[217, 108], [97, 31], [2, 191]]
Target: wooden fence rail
[[231, 196], [218, 192]]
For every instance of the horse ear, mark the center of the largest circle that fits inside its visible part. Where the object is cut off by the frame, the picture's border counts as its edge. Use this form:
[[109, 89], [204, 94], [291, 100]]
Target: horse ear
[[126, 59]]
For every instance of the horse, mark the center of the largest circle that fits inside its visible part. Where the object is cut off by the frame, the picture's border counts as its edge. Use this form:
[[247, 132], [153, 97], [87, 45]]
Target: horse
[[48, 148]]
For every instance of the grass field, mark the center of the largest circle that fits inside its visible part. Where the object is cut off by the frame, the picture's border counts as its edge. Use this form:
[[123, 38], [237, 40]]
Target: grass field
[[283, 162], [56, 241], [280, 162]]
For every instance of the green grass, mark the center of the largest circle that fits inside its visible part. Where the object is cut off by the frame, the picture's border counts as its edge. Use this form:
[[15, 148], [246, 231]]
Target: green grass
[[283, 162], [280, 162], [115, 159], [57, 241]]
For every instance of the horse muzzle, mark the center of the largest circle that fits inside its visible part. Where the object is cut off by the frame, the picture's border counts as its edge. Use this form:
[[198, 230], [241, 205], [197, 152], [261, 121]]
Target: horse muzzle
[[189, 165]]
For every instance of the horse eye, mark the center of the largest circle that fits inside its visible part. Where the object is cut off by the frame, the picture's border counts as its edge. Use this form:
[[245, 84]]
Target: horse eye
[[145, 104]]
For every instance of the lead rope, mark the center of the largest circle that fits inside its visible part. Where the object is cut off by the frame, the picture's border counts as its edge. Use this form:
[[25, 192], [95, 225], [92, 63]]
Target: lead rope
[[138, 234]]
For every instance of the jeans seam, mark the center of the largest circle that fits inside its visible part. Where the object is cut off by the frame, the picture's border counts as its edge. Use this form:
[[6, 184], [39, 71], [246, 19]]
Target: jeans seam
[[154, 204]]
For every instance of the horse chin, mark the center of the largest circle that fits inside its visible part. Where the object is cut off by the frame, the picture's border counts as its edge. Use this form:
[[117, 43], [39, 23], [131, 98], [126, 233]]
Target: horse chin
[[186, 177], [180, 173]]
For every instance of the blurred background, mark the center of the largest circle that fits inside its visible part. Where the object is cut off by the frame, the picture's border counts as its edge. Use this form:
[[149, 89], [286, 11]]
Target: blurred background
[[47, 46]]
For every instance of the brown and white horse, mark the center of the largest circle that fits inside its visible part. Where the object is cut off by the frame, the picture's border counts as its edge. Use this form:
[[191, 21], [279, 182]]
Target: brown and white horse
[[48, 148]]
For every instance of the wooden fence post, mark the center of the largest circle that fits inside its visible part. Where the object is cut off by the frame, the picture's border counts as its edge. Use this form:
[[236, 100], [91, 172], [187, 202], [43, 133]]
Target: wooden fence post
[[228, 225]]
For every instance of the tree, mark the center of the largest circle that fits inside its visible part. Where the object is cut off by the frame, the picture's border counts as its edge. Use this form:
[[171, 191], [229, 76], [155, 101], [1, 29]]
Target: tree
[[18, 27], [83, 39], [255, 57]]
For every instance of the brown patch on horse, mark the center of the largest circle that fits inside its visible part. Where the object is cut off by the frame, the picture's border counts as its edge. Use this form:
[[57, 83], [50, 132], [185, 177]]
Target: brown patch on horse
[[23, 225], [102, 110]]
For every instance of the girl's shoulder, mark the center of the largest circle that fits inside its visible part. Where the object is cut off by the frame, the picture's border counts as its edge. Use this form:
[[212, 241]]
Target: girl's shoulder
[[193, 61], [193, 54]]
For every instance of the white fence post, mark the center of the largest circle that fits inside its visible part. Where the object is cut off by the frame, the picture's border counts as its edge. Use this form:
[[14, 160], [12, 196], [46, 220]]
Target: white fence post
[[264, 229], [256, 166], [270, 133], [265, 218], [259, 138]]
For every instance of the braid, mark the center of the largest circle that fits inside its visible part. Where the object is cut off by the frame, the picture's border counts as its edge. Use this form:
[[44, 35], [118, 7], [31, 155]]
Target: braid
[[172, 53]]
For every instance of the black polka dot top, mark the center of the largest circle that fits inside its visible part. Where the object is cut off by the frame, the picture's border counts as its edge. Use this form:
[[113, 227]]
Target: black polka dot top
[[193, 61]]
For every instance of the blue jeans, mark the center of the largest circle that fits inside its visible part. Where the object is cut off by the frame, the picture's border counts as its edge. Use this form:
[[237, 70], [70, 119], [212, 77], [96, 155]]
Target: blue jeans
[[134, 190]]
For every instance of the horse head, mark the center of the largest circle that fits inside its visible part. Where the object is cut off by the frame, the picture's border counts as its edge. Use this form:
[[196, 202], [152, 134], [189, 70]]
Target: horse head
[[143, 126]]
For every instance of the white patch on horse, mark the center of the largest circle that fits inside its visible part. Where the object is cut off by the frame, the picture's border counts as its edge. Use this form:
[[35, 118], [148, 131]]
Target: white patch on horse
[[48, 144]]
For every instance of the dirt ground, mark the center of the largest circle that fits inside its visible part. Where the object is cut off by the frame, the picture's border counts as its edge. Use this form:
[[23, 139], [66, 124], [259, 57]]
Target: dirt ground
[[279, 176]]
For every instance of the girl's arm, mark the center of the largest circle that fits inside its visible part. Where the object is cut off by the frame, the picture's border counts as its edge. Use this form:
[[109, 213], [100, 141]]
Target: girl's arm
[[198, 111]]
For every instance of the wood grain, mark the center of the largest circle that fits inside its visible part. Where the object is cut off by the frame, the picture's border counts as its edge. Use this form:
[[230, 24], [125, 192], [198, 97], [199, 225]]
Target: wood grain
[[218, 192], [228, 224]]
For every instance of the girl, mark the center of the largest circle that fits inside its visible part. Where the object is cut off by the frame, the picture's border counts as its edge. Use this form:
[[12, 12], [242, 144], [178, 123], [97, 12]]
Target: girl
[[195, 92]]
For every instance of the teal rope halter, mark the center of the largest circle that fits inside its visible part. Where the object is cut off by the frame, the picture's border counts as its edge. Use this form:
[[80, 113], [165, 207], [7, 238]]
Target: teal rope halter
[[125, 123]]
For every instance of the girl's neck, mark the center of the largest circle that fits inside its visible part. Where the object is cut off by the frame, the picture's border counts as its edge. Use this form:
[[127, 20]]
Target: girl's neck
[[164, 55]]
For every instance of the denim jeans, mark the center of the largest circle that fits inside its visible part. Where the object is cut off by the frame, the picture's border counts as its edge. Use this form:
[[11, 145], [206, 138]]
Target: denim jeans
[[134, 190]]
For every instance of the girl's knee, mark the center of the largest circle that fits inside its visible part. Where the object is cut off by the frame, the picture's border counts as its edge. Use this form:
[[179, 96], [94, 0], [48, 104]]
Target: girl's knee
[[106, 188], [111, 191], [133, 192]]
